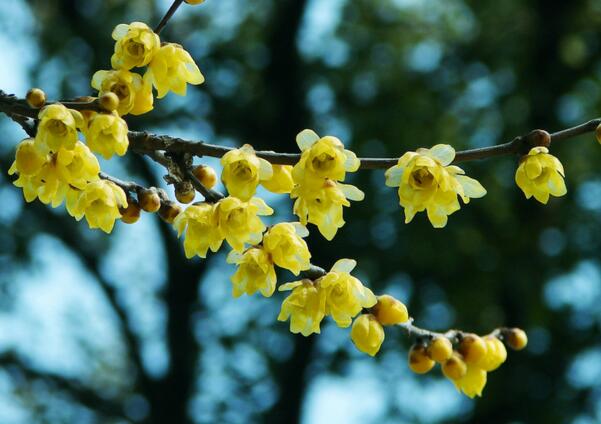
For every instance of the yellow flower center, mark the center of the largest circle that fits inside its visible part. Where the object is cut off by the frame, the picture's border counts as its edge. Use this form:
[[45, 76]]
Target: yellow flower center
[[134, 48], [242, 171], [121, 90]]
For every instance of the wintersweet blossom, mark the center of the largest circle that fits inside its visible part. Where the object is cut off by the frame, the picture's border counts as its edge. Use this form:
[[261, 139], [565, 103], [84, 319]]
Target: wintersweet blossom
[[58, 127], [239, 221], [323, 206], [367, 334], [304, 306], [243, 170], [540, 174], [255, 272], [286, 247], [171, 69], [135, 95], [199, 224], [281, 181], [136, 45], [427, 181], [99, 202], [106, 134], [345, 295]]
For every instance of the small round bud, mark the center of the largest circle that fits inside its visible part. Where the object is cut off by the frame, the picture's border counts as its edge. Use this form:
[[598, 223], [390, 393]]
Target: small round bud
[[131, 213], [36, 98], [194, 1], [206, 175], [184, 192], [149, 200], [108, 101], [367, 334], [598, 133], [516, 338], [419, 361], [390, 311], [472, 348], [440, 349], [169, 210], [454, 368]]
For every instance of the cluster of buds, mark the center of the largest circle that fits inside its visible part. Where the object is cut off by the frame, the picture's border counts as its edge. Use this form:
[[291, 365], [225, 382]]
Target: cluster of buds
[[465, 359]]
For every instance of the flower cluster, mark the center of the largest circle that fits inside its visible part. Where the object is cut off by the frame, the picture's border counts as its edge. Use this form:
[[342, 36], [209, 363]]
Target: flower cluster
[[55, 166], [170, 68], [337, 294], [467, 363], [317, 177]]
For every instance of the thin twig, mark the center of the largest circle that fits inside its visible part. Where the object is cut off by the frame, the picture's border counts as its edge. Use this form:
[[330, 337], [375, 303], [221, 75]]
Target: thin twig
[[176, 4]]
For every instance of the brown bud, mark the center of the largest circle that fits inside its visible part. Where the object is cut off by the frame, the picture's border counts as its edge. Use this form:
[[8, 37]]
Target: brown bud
[[184, 192], [538, 138], [419, 361], [516, 338], [131, 213], [472, 348], [108, 101], [36, 98], [149, 199], [169, 210], [206, 175]]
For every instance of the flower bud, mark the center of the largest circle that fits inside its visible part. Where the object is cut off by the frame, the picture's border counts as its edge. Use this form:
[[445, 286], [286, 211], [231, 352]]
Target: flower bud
[[36, 98], [367, 334], [169, 210], [108, 101], [206, 175], [390, 311], [184, 192], [149, 199], [472, 348], [516, 338], [194, 1], [496, 354], [440, 349], [131, 213], [419, 361], [454, 368]]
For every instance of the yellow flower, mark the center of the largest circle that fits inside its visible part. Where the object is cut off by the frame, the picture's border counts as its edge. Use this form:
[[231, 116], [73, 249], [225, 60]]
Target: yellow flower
[[305, 307], [136, 45], [496, 354], [55, 173], [135, 95], [288, 250], [540, 175], [238, 220], [99, 202], [171, 68], [281, 180], [28, 159], [473, 382], [323, 206], [367, 334], [255, 272], [345, 295], [199, 222], [107, 135], [322, 158], [427, 182], [242, 172], [58, 127]]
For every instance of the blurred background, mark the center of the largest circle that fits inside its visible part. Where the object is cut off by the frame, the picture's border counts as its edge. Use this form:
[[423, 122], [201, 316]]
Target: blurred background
[[122, 328]]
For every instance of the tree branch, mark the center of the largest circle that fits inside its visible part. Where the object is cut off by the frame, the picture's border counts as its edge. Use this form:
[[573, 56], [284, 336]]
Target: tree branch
[[145, 143], [176, 4]]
